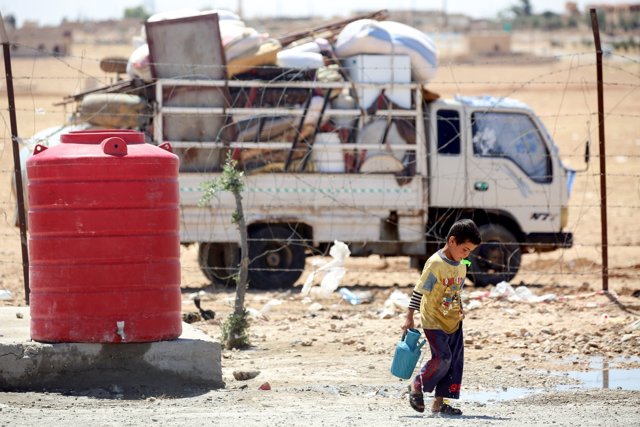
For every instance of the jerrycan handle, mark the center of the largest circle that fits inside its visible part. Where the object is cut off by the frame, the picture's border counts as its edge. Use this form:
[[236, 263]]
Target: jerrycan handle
[[411, 337]]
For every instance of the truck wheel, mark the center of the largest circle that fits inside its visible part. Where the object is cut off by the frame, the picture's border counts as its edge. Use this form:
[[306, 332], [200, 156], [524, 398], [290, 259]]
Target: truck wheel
[[219, 262], [497, 259], [276, 257]]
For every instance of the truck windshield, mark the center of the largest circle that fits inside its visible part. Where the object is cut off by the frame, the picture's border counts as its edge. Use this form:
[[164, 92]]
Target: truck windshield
[[513, 136]]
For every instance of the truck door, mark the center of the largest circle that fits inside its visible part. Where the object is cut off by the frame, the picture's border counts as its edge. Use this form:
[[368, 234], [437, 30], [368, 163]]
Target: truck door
[[447, 172], [510, 169]]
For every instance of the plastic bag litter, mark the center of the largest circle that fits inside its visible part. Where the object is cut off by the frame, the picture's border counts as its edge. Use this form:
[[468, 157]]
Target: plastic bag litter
[[5, 294], [472, 305], [477, 295], [315, 307], [202, 295], [504, 290], [525, 295], [333, 270], [263, 313], [356, 297], [397, 301]]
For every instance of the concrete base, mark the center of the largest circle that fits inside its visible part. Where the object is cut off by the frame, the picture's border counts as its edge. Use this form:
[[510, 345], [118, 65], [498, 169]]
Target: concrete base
[[191, 361]]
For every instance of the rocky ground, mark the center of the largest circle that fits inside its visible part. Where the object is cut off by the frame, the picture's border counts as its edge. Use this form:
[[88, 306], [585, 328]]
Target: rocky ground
[[324, 361]]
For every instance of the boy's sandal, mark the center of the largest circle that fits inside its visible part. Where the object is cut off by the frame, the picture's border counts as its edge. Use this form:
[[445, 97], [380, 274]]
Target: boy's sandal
[[448, 410], [416, 400]]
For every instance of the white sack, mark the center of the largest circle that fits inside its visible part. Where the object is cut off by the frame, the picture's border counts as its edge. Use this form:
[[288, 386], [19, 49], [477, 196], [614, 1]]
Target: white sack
[[367, 36], [292, 58]]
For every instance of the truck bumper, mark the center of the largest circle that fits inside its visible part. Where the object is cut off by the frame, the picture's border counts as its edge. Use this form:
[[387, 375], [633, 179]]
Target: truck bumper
[[545, 242]]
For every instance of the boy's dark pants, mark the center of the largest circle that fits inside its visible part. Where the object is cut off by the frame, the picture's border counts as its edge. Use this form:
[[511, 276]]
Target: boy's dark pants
[[444, 371]]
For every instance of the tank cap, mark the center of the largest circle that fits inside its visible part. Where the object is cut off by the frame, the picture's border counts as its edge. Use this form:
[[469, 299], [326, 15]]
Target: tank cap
[[114, 146]]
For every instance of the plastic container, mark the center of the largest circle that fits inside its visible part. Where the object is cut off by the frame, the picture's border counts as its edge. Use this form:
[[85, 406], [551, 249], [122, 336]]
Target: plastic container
[[104, 240], [407, 354], [347, 295], [326, 155]]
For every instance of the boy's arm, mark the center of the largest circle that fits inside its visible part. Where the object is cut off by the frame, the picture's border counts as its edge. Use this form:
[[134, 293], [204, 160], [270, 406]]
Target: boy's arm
[[423, 286]]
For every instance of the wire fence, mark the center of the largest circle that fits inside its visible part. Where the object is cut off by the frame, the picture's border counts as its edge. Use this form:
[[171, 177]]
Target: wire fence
[[391, 191]]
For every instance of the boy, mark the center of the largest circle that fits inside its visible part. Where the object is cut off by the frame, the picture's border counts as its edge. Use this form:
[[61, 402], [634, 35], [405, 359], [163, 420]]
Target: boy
[[437, 297]]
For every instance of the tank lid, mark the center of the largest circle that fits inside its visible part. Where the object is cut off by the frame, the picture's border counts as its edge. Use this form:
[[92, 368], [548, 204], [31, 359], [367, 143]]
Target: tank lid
[[96, 136]]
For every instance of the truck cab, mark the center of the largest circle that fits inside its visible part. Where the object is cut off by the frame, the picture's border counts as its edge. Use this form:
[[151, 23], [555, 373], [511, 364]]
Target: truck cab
[[492, 159]]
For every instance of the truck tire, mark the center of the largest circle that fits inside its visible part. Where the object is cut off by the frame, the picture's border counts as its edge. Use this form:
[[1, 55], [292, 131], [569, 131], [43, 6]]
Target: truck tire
[[219, 262], [276, 257], [497, 258]]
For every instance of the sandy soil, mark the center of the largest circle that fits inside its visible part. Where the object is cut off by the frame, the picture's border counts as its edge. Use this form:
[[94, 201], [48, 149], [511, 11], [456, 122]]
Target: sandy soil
[[329, 365]]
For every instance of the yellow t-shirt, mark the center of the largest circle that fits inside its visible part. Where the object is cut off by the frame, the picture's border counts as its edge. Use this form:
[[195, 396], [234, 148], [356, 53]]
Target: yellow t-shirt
[[440, 284]]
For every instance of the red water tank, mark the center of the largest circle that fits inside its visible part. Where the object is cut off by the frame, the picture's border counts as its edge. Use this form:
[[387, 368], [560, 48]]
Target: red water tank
[[104, 240]]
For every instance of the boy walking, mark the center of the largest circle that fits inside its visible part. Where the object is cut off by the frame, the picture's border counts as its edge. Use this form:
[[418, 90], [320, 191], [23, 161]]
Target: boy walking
[[437, 297]]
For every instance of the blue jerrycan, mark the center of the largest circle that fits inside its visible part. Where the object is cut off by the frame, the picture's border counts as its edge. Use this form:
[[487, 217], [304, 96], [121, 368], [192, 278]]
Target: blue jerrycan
[[407, 354]]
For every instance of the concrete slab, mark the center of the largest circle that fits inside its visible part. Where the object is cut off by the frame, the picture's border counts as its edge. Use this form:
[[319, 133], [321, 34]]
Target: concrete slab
[[170, 367]]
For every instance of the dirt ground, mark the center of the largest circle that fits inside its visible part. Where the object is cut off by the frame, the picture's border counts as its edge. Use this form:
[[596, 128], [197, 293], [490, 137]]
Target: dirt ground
[[327, 361]]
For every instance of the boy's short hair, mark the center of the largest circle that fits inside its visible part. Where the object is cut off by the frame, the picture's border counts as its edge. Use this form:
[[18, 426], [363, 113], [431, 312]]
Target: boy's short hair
[[465, 230]]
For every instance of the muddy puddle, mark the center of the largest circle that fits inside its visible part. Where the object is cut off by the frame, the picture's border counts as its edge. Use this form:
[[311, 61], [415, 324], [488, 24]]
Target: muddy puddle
[[599, 374]]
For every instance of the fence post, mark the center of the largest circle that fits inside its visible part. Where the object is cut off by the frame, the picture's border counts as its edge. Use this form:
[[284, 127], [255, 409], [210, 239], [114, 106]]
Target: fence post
[[16, 157], [603, 166]]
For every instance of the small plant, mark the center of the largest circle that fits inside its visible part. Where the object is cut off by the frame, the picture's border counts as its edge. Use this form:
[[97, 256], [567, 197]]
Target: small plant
[[235, 328], [230, 180], [235, 331]]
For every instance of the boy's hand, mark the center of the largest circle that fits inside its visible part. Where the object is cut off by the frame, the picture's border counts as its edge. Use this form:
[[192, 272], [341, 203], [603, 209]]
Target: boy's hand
[[408, 323]]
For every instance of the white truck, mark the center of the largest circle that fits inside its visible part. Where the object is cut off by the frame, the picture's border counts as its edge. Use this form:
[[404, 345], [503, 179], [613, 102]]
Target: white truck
[[395, 194], [389, 181]]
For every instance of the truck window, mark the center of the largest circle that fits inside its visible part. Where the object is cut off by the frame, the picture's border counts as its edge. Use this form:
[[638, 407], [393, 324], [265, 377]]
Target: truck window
[[513, 136], [448, 132]]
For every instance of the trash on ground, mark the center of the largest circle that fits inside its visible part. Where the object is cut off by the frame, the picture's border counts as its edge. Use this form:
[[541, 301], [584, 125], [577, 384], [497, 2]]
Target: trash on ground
[[356, 297], [504, 290], [473, 305], [333, 270], [191, 317], [476, 295], [263, 313], [398, 301], [202, 295], [316, 306]]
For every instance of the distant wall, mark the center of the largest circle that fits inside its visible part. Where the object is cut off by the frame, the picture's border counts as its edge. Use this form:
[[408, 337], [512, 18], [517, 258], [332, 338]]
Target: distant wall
[[38, 41], [486, 44]]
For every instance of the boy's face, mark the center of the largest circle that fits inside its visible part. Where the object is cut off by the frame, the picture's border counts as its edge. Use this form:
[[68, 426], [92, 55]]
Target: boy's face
[[460, 251]]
